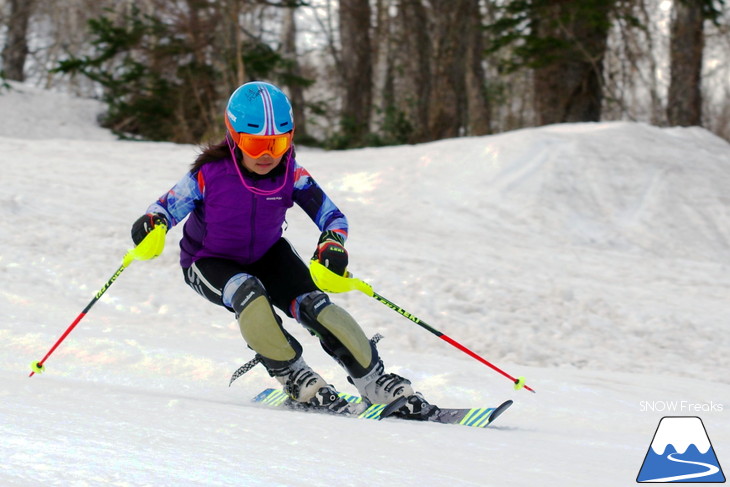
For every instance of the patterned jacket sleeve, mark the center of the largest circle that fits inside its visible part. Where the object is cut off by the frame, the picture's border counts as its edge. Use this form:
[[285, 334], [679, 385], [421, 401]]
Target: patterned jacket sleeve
[[177, 203], [313, 200]]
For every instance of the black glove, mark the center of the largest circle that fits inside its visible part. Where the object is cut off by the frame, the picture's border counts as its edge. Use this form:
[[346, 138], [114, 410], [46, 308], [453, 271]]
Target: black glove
[[331, 252], [145, 224]]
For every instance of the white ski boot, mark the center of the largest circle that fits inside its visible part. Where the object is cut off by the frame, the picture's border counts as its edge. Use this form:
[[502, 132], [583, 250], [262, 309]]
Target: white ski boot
[[307, 387], [300, 382], [380, 388]]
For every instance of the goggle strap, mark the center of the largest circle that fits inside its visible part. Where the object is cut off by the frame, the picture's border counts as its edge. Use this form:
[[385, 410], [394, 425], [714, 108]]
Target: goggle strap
[[257, 191]]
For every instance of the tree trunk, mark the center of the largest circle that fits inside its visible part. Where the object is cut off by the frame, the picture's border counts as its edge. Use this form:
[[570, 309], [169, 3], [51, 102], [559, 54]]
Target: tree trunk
[[568, 80], [448, 99], [382, 64], [412, 78], [477, 103], [16, 43], [684, 104], [357, 69], [289, 53]]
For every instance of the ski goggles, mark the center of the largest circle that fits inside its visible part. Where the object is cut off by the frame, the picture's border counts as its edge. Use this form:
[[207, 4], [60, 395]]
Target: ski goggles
[[257, 145]]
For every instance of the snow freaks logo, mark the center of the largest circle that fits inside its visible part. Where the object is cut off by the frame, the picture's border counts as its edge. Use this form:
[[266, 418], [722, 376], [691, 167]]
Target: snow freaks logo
[[681, 452]]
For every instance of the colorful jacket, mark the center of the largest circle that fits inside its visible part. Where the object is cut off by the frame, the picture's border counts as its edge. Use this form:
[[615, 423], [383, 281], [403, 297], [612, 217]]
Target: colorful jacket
[[229, 221]]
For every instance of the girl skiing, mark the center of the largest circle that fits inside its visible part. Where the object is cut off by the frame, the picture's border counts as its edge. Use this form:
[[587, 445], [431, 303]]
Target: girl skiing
[[232, 252]]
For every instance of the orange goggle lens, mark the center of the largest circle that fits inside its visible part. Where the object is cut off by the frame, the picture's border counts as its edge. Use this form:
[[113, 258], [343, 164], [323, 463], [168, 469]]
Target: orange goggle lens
[[257, 145]]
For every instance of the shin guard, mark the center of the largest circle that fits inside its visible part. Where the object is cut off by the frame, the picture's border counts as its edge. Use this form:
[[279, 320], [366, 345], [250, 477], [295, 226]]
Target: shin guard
[[261, 327], [339, 333]]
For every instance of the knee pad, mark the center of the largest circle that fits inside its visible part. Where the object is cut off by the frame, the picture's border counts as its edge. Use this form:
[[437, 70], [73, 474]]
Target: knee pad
[[339, 333], [260, 326]]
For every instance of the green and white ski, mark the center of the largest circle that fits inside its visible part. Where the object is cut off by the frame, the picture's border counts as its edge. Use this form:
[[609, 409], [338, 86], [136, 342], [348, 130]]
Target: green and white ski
[[474, 417]]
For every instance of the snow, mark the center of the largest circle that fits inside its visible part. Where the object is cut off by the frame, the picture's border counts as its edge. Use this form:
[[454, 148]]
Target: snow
[[592, 259]]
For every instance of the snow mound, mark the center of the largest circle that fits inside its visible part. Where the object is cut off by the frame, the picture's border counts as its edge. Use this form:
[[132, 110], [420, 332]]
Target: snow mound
[[32, 113], [623, 186]]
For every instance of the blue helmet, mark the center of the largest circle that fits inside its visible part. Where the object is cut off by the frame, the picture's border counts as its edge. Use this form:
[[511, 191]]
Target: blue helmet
[[259, 108]]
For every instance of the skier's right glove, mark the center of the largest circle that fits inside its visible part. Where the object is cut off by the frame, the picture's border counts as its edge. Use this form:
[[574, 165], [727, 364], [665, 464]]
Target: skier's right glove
[[145, 224]]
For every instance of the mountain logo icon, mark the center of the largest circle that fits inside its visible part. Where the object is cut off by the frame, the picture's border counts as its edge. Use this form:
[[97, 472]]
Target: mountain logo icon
[[681, 452]]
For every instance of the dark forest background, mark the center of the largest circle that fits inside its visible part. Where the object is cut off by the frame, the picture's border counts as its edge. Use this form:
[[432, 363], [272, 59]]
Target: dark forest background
[[378, 72]]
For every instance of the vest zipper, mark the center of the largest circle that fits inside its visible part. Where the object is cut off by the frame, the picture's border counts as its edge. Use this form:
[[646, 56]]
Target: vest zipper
[[253, 226]]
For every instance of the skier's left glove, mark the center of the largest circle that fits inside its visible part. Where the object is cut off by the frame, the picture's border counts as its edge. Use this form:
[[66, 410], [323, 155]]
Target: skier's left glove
[[331, 252]]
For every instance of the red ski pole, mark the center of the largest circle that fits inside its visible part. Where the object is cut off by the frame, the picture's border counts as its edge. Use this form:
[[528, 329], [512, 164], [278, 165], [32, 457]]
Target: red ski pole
[[331, 282], [518, 382], [150, 247], [38, 366]]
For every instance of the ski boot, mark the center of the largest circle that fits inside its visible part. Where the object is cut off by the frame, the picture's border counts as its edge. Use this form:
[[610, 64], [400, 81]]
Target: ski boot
[[380, 388], [308, 390], [300, 382]]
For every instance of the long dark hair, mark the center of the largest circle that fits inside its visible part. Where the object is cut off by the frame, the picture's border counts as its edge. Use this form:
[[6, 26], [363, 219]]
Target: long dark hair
[[221, 150], [213, 152]]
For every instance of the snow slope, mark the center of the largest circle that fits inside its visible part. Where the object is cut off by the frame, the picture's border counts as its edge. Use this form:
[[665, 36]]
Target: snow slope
[[591, 258]]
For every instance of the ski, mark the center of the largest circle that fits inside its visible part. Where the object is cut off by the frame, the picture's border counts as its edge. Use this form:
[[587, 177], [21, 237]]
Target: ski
[[473, 417]]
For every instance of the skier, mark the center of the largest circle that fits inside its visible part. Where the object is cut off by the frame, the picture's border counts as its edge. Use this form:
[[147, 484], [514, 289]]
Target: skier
[[236, 196]]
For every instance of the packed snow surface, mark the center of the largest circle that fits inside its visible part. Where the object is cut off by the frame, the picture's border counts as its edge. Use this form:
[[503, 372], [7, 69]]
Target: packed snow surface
[[593, 259]]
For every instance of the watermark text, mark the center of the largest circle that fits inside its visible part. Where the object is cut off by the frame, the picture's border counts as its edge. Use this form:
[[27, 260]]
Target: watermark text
[[684, 407]]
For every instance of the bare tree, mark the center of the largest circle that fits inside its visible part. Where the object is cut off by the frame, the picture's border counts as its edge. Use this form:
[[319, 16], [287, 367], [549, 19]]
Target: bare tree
[[15, 51], [447, 103], [716, 76], [684, 106], [356, 68], [412, 68], [632, 86], [477, 104], [382, 48], [289, 53]]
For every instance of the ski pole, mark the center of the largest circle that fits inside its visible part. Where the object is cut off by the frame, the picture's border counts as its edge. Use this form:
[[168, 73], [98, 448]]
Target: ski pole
[[330, 282], [150, 247]]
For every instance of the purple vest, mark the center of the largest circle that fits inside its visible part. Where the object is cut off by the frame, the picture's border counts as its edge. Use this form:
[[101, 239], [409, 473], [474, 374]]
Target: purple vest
[[232, 222]]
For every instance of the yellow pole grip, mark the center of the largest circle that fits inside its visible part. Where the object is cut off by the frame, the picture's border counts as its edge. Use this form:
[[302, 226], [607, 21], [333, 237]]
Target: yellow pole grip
[[149, 248], [330, 282]]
